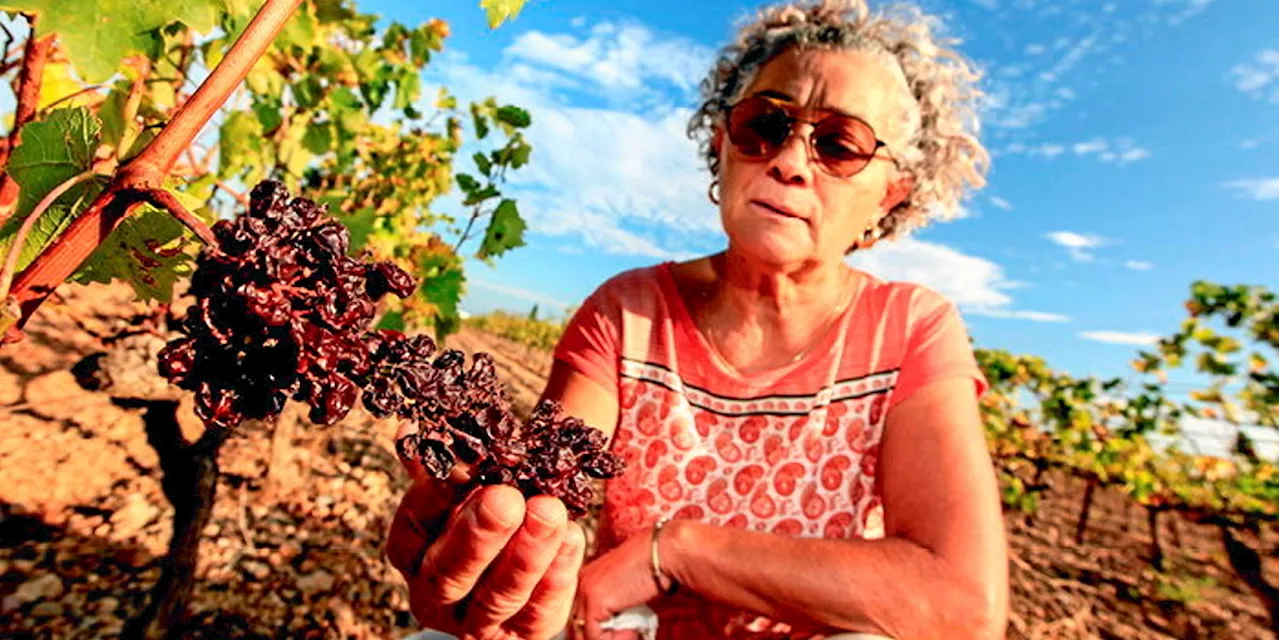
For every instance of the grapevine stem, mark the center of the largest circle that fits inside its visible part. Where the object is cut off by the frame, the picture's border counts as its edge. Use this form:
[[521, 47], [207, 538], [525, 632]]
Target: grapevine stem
[[475, 213], [30, 78], [8, 44], [191, 117], [148, 169], [131, 104], [238, 195], [19, 239], [197, 169], [67, 98], [165, 200]]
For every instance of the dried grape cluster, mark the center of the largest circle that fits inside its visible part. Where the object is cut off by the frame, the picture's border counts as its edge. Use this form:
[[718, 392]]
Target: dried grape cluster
[[283, 312], [554, 455], [463, 416], [280, 313]]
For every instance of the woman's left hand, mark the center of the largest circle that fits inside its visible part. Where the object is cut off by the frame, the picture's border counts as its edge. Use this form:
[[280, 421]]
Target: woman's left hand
[[616, 581]]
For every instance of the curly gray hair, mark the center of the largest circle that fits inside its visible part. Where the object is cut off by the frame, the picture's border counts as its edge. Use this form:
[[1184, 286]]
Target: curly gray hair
[[939, 148]]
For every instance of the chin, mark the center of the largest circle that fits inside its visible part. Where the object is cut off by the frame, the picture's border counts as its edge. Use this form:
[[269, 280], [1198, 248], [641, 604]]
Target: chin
[[773, 249]]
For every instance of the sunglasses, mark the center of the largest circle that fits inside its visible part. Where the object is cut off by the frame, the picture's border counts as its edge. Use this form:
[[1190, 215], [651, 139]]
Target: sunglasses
[[842, 145]]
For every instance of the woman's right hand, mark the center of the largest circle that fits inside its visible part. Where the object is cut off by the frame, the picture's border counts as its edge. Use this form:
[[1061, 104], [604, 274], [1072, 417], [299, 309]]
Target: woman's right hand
[[496, 567]]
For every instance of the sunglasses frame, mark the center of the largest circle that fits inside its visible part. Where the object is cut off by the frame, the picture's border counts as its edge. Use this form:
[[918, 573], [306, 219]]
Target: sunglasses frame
[[810, 144]]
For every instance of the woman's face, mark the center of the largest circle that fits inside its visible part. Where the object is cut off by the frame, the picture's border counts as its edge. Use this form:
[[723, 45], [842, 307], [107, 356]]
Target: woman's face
[[787, 211]]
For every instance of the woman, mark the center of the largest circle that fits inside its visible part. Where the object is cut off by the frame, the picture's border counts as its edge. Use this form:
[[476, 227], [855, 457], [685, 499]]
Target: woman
[[804, 451]]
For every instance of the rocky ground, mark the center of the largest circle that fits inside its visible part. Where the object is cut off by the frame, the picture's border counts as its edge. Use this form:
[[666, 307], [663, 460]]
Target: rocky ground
[[294, 545]]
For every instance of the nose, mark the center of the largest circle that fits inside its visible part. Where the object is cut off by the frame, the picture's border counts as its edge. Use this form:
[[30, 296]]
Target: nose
[[791, 164]]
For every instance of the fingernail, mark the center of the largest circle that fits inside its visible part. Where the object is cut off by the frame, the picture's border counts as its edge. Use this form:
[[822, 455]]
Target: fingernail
[[484, 515], [545, 519]]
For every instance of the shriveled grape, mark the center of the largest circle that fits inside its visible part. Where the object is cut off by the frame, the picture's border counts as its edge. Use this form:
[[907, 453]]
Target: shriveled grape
[[282, 312]]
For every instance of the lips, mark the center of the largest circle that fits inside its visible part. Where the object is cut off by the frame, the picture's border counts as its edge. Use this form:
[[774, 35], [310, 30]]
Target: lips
[[776, 208]]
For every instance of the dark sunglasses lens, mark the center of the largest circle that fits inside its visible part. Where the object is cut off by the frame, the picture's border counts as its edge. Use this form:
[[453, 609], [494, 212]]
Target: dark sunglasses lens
[[844, 145], [757, 128]]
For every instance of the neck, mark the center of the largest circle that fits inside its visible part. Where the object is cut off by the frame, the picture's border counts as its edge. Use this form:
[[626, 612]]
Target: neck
[[759, 316], [755, 290]]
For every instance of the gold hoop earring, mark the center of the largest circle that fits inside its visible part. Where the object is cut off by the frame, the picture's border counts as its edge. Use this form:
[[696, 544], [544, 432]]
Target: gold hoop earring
[[711, 191]]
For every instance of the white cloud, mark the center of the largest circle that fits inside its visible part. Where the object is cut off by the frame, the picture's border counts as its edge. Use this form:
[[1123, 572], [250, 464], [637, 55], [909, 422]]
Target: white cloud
[[1138, 265], [1076, 244], [1093, 146], [1121, 337], [1073, 56], [1034, 316], [1001, 203], [1051, 151], [1132, 154], [518, 293], [1184, 10], [1255, 188], [1217, 437], [1004, 110], [974, 284], [625, 181], [1050, 71], [1121, 151], [1260, 77], [625, 57]]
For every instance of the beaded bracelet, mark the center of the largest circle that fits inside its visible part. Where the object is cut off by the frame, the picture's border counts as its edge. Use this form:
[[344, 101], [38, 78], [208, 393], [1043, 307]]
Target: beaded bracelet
[[654, 565]]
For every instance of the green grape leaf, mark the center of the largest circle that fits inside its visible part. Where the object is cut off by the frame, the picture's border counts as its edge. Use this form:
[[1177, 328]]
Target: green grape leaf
[[54, 150], [332, 11], [520, 156], [467, 183], [300, 31], [408, 87], [146, 250], [504, 233], [59, 84], [267, 110], [318, 138], [480, 122], [446, 100], [98, 34], [240, 147], [213, 51], [193, 194], [482, 162], [359, 226], [111, 114], [292, 153], [264, 79], [51, 224], [442, 282], [393, 320], [421, 42], [514, 116], [499, 11]]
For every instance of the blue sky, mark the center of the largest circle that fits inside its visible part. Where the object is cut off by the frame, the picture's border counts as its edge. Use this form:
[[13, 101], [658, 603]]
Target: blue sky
[[1135, 150]]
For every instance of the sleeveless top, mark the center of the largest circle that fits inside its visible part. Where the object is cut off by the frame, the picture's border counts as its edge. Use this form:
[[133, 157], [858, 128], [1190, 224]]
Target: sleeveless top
[[791, 451]]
